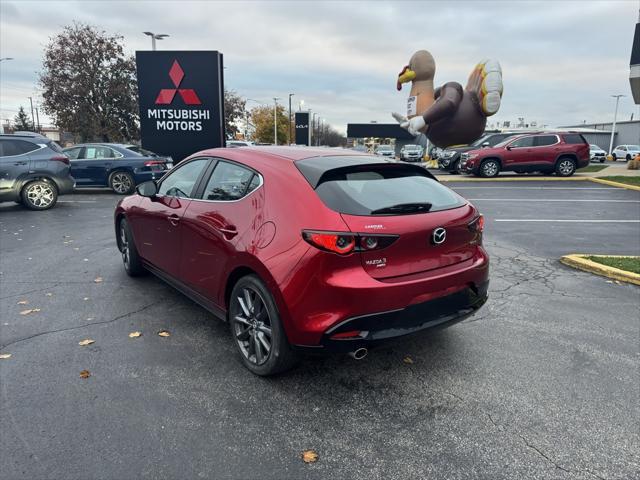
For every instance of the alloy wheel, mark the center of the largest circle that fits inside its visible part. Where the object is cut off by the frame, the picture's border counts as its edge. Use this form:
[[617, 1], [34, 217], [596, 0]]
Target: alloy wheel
[[121, 183], [252, 325], [490, 169], [124, 246], [40, 195], [566, 167]]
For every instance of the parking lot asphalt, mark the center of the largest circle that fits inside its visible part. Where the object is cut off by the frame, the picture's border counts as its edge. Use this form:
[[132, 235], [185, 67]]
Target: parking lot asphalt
[[542, 383]]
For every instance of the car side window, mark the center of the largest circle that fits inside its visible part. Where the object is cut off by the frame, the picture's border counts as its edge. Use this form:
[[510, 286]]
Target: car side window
[[11, 147], [544, 140], [182, 180], [574, 139], [73, 153], [230, 182], [98, 152], [523, 142]]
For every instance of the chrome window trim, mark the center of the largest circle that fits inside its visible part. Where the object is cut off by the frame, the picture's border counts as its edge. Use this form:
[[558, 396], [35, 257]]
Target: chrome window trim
[[176, 169], [239, 199], [103, 146]]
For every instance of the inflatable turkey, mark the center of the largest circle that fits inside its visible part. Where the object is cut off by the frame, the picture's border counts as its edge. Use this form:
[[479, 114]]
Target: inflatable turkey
[[450, 114]]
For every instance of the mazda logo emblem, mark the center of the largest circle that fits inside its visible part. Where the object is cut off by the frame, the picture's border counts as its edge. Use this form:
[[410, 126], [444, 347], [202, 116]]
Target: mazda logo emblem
[[439, 235]]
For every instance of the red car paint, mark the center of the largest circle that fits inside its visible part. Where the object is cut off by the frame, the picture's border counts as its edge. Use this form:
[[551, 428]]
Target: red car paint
[[207, 245]]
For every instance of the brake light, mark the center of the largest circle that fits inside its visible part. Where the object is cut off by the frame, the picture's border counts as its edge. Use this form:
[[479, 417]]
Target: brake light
[[60, 158], [344, 243], [153, 163]]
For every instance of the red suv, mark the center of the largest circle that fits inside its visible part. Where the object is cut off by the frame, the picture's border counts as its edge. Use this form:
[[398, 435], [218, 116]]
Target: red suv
[[308, 249], [561, 153]]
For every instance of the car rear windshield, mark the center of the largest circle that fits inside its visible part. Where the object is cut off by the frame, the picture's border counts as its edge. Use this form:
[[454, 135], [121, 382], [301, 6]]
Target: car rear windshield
[[382, 189], [574, 138]]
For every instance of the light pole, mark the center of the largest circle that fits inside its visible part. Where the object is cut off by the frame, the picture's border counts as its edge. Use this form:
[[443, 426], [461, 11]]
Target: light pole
[[154, 37], [300, 104], [275, 120], [313, 129], [246, 115], [290, 95], [615, 117]]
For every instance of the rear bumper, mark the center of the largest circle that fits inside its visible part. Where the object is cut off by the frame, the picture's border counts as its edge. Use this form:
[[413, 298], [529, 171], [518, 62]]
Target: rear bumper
[[379, 328], [65, 185]]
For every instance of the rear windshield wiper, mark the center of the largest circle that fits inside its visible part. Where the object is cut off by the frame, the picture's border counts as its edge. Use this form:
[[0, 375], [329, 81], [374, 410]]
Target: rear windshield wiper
[[403, 208]]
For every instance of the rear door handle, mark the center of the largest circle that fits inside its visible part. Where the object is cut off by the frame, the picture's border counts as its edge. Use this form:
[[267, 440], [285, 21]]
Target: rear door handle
[[229, 231], [174, 219], [20, 163]]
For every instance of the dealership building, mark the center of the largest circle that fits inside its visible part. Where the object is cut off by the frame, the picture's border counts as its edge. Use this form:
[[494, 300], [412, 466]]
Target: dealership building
[[626, 133]]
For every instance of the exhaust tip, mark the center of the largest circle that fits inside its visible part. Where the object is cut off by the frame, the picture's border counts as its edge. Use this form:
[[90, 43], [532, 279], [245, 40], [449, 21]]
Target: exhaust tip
[[359, 354]]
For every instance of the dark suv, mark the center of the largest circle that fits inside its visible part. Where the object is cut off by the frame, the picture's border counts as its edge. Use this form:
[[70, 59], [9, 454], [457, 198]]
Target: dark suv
[[449, 158], [559, 152], [33, 171]]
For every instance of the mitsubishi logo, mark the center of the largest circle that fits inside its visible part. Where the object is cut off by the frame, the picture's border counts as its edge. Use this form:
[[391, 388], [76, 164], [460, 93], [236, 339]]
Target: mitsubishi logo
[[166, 95], [439, 236]]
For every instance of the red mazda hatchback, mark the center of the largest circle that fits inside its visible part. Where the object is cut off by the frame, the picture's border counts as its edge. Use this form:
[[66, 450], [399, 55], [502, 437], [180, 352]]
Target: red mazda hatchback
[[304, 249]]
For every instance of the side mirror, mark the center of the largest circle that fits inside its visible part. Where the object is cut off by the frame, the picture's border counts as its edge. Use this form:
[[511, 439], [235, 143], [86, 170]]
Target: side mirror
[[147, 189], [485, 144], [509, 147]]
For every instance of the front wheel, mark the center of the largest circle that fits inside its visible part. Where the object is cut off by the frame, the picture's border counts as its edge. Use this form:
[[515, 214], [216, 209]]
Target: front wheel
[[121, 182], [601, 159], [257, 330], [39, 195], [565, 167], [130, 258], [613, 156], [455, 168], [628, 157], [489, 168]]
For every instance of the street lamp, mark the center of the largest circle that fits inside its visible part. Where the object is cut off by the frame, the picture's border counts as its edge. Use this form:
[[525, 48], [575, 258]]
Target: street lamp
[[300, 104], [154, 37], [290, 95], [313, 129], [246, 116], [615, 117], [275, 120]]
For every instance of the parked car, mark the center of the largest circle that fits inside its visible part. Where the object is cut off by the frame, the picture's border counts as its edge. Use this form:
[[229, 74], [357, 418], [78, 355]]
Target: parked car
[[238, 143], [118, 166], [597, 154], [33, 171], [385, 151], [371, 250], [562, 153], [626, 152], [449, 158], [411, 153]]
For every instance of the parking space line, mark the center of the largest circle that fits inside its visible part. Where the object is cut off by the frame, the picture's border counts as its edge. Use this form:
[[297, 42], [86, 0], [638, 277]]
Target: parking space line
[[77, 201], [602, 189], [550, 200], [563, 221]]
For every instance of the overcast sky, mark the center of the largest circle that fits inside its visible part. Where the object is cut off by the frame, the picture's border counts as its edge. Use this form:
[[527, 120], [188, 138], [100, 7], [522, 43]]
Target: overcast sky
[[561, 60]]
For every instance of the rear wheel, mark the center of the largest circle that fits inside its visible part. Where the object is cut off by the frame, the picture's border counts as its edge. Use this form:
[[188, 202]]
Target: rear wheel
[[628, 157], [257, 329], [613, 155], [489, 168], [121, 182], [565, 167], [39, 195], [130, 258], [601, 159]]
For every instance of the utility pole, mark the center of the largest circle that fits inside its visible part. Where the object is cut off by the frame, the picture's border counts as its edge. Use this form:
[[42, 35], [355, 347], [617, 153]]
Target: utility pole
[[33, 120], [37, 120], [275, 120], [615, 117], [313, 129], [290, 95]]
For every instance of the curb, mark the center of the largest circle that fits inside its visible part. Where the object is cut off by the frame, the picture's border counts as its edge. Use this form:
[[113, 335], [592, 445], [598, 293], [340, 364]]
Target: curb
[[448, 179], [580, 262]]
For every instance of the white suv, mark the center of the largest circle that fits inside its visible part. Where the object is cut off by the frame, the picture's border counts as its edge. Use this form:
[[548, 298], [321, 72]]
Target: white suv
[[626, 152]]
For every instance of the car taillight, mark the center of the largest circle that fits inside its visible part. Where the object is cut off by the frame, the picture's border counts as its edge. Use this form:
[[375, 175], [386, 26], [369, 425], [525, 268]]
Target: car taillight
[[477, 225], [344, 243], [60, 158], [153, 163]]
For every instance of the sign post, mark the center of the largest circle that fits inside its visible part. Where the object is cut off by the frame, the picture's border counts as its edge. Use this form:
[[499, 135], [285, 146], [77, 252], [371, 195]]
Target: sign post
[[303, 134], [181, 95]]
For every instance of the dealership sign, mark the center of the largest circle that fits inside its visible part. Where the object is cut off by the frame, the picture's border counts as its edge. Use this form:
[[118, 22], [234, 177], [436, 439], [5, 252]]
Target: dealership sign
[[303, 134], [181, 101]]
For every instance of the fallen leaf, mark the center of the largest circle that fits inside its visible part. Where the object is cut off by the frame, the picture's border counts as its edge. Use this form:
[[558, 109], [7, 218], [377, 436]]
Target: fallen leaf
[[30, 310], [86, 342], [609, 281], [309, 456], [49, 294], [408, 360], [164, 333], [85, 374], [85, 259], [98, 280], [23, 302], [76, 248], [86, 298], [135, 334], [5, 355]]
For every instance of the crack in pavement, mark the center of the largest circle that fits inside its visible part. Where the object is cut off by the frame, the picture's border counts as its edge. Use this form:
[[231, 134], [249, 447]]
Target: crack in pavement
[[119, 317]]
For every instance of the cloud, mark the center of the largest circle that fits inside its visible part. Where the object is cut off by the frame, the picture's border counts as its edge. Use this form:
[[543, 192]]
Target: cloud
[[561, 60]]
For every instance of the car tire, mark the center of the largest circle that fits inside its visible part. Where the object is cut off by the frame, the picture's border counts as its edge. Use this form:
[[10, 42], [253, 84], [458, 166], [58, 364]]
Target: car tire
[[257, 330], [127, 246], [121, 182], [613, 156], [455, 168], [39, 195], [628, 157], [489, 168], [601, 159], [565, 167]]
